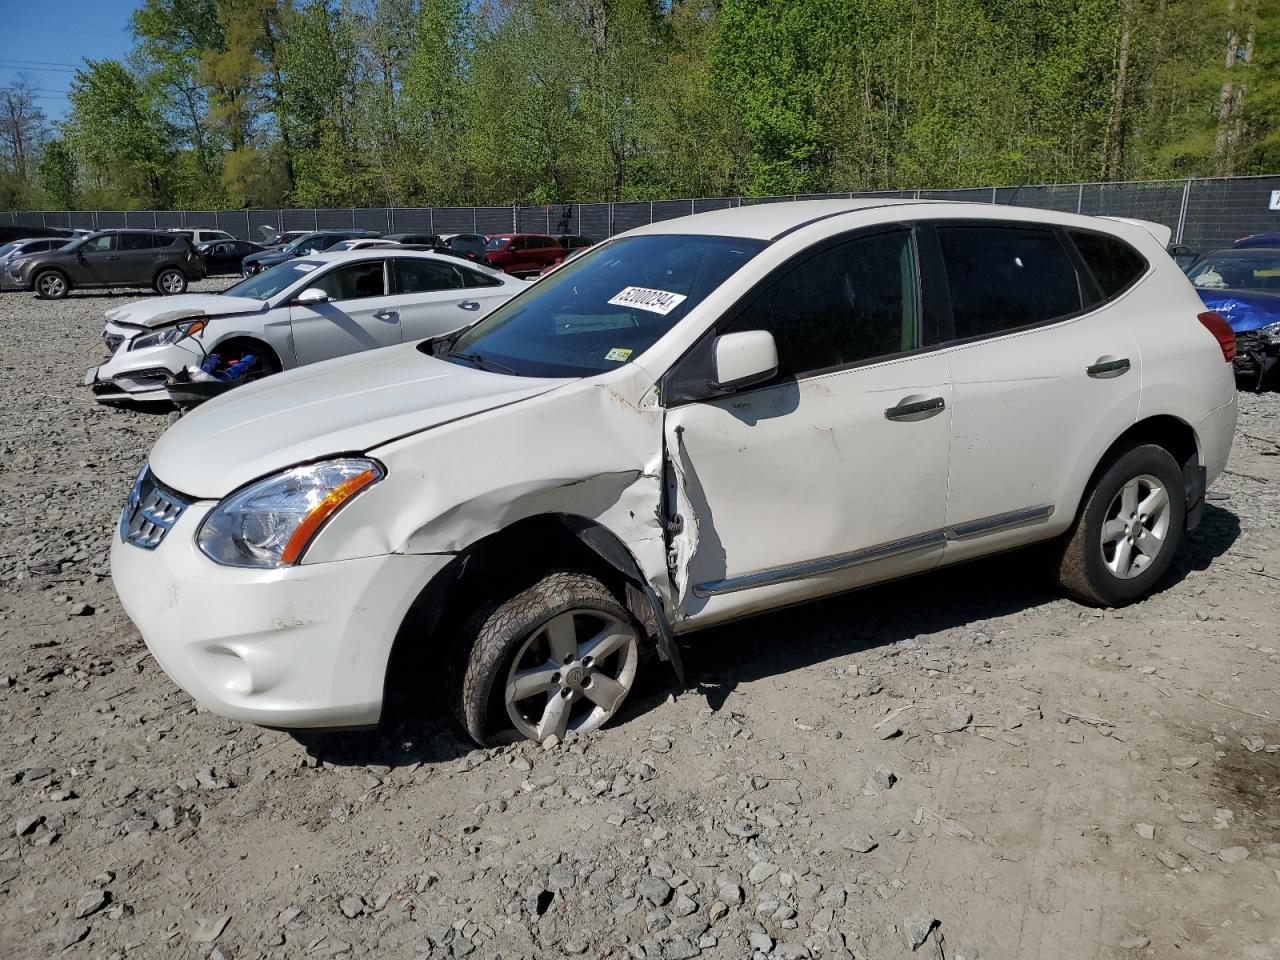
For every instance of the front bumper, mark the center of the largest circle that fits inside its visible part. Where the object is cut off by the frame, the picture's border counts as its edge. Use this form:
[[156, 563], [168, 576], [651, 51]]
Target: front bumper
[[304, 646], [1256, 356], [139, 374]]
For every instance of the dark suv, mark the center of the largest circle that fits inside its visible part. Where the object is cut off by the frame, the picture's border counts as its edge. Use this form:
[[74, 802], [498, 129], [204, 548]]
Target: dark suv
[[110, 258]]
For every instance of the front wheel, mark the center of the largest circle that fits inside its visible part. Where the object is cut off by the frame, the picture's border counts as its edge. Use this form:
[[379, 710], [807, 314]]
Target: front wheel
[[1128, 529], [52, 285], [171, 282], [560, 655]]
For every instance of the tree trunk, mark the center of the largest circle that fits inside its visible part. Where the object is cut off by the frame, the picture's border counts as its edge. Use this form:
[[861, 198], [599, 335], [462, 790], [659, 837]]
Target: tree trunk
[[1226, 97], [1114, 144]]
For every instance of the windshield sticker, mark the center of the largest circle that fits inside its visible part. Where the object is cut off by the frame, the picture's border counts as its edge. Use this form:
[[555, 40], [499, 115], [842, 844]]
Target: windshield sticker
[[304, 267], [620, 354], [643, 298]]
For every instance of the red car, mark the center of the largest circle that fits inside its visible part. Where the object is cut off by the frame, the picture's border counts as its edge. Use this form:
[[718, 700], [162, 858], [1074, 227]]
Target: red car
[[519, 253]]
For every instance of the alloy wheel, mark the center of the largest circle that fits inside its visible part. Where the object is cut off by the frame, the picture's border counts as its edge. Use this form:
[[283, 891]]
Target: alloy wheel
[[1136, 527], [571, 673], [52, 285], [171, 282]]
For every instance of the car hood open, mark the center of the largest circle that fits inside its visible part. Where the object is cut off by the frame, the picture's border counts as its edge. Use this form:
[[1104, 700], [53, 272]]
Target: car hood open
[[158, 311], [348, 405]]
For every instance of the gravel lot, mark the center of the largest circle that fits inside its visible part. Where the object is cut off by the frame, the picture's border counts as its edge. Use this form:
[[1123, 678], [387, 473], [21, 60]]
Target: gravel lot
[[1060, 781]]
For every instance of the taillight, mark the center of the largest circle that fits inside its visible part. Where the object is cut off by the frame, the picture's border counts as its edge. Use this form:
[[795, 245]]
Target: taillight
[[1222, 332]]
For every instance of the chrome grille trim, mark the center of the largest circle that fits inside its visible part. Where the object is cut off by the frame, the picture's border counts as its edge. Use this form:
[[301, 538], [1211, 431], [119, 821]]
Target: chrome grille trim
[[151, 511]]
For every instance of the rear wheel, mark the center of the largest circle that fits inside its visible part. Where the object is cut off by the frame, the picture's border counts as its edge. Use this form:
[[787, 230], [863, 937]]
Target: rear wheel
[[560, 655], [52, 285], [1128, 529], [171, 281]]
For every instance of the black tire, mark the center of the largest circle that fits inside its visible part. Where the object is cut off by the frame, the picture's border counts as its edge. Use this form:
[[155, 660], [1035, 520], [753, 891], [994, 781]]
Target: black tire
[[1085, 568], [51, 285], [170, 282], [499, 631]]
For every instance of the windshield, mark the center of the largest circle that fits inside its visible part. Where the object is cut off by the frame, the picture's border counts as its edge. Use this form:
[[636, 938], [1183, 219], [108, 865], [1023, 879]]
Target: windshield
[[8, 248], [265, 285], [1233, 272], [603, 308], [497, 243]]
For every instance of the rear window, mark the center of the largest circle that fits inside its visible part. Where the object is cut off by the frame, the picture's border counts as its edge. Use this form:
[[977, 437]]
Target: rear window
[[1114, 264], [497, 243], [1004, 277]]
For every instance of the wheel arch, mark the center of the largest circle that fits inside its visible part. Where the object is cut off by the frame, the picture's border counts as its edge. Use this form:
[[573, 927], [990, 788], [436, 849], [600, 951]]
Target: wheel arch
[[247, 338], [1183, 443], [511, 559]]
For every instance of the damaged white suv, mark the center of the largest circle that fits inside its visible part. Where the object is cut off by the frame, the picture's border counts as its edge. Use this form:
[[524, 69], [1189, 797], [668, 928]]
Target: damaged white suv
[[298, 312], [695, 421]]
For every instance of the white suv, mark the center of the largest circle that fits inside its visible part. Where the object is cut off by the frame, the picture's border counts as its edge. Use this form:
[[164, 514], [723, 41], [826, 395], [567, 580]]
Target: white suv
[[697, 420]]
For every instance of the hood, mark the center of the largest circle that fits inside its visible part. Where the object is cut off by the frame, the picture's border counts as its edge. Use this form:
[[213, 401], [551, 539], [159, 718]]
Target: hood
[[158, 311], [268, 256], [1244, 310], [348, 405]]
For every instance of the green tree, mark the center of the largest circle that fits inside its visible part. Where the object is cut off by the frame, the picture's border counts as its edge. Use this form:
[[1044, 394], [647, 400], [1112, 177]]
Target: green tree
[[58, 172]]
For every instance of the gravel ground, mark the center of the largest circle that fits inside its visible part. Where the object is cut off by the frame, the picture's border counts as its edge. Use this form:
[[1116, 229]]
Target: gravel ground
[[961, 765]]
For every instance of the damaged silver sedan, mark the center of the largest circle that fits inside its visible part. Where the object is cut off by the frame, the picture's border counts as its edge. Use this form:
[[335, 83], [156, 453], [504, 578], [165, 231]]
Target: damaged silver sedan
[[692, 422]]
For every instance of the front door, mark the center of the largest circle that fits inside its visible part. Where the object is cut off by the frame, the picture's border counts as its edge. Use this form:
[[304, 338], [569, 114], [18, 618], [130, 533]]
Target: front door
[[1045, 376], [833, 474], [96, 260], [358, 316]]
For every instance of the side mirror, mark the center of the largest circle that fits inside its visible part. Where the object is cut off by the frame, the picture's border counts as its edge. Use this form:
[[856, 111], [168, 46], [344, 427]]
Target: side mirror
[[743, 359], [312, 295]]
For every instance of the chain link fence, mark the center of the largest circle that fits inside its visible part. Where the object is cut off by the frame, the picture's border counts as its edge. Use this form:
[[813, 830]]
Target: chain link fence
[[1203, 213]]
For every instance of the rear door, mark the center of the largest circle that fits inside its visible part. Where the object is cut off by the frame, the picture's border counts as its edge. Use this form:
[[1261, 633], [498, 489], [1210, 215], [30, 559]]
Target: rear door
[[360, 315], [1044, 372], [434, 297], [834, 473], [137, 258]]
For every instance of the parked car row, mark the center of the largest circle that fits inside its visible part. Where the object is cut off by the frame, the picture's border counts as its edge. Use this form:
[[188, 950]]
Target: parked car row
[[698, 420]]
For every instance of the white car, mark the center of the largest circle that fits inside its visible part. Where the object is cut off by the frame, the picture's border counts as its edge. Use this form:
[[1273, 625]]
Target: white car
[[298, 312], [199, 236], [695, 421]]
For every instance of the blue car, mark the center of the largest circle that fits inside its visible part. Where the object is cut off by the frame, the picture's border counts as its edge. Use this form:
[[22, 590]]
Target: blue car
[[1243, 285]]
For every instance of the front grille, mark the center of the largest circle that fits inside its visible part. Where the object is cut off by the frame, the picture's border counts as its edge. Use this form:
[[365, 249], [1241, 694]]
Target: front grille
[[113, 341], [151, 511]]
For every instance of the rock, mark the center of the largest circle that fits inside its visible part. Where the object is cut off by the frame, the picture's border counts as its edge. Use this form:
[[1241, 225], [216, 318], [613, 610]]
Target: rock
[[351, 906], [790, 951], [80, 610], [683, 905], [889, 731], [858, 842], [90, 903], [551, 742], [1184, 763], [1253, 744], [24, 826], [885, 777], [1135, 943], [655, 890], [833, 899], [729, 892], [957, 720], [288, 915], [760, 941], [1169, 859], [574, 947], [561, 877], [743, 829], [679, 948], [67, 935], [717, 910], [1233, 854], [1145, 830], [917, 929], [210, 929], [761, 872]]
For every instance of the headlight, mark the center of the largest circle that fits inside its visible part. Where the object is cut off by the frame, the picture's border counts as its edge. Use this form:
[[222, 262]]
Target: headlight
[[1271, 332], [271, 522], [162, 338]]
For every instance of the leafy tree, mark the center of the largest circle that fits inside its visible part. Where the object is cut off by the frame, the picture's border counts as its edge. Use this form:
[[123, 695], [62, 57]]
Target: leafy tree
[[58, 171]]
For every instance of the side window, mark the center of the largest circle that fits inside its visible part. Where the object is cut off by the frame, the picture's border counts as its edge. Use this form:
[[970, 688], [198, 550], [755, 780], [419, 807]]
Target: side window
[[473, 278], [1004, 277], [1114, 264], [100, 244], [852, 302], [137, 241], [424, 276], [354, 282]]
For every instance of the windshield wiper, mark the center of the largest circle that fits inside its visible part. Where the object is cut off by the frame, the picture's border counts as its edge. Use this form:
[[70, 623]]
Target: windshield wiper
[[482, 363]]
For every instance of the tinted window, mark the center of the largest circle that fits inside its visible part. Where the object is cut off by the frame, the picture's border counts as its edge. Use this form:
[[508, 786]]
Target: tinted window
[[604, 308], [851, 302], [423, 276], [137, 241], [1114, 264], [100, 243], [354, 282], [1001, 278], [474, 278]]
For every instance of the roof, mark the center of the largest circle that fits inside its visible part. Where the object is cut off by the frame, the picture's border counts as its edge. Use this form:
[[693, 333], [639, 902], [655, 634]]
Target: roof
[[378, 253], [764, 221]]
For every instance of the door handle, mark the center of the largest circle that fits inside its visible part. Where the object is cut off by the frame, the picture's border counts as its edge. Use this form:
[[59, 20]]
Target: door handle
[[469, 304], [387, 315], [1107, 367], [911, 409]]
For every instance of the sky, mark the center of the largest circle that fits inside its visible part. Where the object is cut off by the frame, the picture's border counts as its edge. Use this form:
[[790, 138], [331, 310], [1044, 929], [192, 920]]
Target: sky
[[48, 39]]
